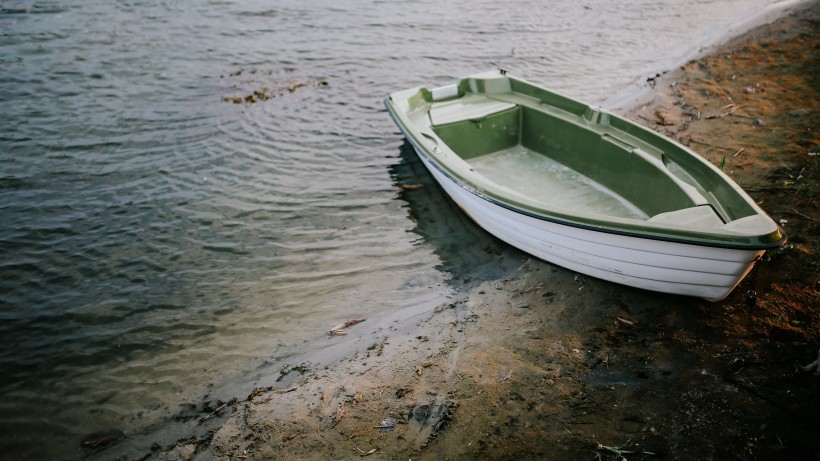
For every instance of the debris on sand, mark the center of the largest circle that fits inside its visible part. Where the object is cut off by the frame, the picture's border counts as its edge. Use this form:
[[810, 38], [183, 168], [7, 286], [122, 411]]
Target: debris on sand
[[337, 330], [662, 118], [387, 425], [101, 440], [428, 420], [813, 366], [629, 448]]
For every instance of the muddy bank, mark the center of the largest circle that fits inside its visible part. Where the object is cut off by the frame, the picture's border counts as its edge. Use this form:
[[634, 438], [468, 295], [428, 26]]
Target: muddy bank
[[548, 364]]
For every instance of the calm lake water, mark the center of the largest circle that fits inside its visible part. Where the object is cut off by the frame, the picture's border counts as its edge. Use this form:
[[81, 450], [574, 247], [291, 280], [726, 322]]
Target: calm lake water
[[158, 239]]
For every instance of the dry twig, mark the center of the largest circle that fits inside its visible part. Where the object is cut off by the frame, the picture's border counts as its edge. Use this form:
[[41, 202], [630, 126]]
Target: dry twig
[[211, 414], [628, 322], [337, 330], [619, 452]]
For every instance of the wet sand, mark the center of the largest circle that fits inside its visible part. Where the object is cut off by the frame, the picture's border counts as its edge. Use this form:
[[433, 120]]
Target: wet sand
[[548, 364]]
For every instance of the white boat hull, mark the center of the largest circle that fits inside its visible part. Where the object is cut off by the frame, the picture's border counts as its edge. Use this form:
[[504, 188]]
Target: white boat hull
[[657, 265]]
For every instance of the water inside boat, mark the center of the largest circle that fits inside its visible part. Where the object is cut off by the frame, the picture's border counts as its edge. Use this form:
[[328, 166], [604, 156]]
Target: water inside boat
[[542, 179]]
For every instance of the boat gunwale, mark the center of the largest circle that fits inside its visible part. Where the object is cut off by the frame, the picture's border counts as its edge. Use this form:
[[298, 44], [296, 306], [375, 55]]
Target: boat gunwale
[[609, 230], [665, 234]]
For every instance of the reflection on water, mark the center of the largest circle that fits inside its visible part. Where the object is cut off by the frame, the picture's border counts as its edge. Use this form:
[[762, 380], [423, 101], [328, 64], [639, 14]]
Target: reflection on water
[[158, 238], [465, 249]]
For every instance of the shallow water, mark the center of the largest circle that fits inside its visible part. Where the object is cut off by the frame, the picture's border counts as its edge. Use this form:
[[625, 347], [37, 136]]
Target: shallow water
[[158, 239]]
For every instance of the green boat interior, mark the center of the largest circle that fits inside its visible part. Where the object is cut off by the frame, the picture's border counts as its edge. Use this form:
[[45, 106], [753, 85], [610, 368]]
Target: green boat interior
[[561, 153]]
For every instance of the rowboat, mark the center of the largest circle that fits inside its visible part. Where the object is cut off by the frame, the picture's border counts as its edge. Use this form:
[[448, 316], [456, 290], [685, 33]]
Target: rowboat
[[583, 188]]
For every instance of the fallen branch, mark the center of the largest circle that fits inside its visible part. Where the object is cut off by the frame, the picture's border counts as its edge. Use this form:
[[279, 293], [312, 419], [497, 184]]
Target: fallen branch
[[424, 365], [768, 189], [726, 93], [101, 441], [537, 287], [802, 215], [337, 330], [732, 108], [628, 322], [619, 452], [211, 414], [695, 141], [362, 452]]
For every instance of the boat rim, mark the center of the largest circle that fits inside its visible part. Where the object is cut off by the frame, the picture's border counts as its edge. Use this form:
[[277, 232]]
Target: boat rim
[[601, 225]]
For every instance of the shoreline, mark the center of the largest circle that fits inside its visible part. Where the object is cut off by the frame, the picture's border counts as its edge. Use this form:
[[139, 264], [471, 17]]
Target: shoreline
[[641, 91], [545, 363]]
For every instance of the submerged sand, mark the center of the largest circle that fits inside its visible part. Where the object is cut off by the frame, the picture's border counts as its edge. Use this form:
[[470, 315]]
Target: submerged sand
[[549, 364]]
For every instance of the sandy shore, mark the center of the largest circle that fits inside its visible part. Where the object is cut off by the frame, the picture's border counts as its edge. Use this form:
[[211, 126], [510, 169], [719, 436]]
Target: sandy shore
[[549, 364]]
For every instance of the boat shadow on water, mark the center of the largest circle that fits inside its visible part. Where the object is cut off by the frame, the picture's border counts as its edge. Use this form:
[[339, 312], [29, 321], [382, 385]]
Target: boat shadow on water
[[467, 252]]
